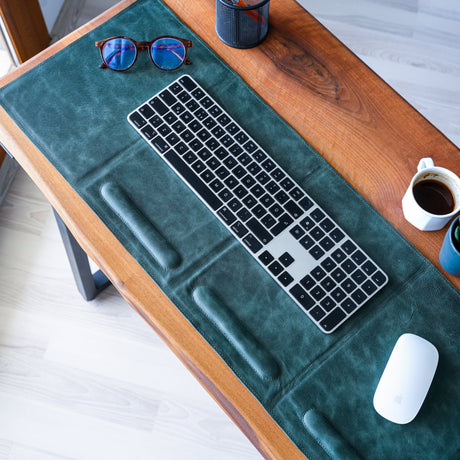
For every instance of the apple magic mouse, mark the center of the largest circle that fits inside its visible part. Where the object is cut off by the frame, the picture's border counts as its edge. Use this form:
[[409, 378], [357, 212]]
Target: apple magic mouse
[[406, 379]]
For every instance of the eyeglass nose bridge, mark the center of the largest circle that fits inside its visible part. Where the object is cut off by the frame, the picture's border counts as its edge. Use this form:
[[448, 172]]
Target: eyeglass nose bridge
[[143, 45]]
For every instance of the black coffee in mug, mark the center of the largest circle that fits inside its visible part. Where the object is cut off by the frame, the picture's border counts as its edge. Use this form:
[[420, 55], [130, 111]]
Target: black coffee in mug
[[434, 197]]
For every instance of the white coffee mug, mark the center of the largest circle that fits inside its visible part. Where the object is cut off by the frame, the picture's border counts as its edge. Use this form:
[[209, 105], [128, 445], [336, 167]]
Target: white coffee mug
[[418, 216]]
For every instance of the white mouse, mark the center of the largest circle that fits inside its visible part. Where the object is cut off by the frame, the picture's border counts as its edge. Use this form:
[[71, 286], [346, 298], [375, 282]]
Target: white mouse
[[406, 379]]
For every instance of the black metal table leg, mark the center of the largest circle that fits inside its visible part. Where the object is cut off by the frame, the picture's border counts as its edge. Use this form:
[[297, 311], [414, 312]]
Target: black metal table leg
[[89, 284]]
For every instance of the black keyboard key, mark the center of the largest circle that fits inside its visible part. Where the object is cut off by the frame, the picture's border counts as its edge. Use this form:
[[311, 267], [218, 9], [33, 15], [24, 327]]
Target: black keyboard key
[[239, 229], [259, 211], [178, 126], [187, 83], [358, 257], [148, 132], [208, 176], [158, 106], [287, 184], [369, 267], [337, 235], [349, 247], [224, 194], [195, 182], [327, 303], [243, 214], [317, 313], [369, 287], [249, 201], [296, 193], [328, 264], [160, 144], [306, 203], [348, 265], [167, 97], [307, 282], [316, 233], [302, 297], [137, 119], [294, 210], [338, 255], [285, 279], [232, 128], [307, 242], [328, 284], [276, 210], [266, 258], [223, 120], [176, 88], [338, 295], [190, 157], [215, 111], [277, 174], [234, 205], [283, 222], [198, 93], [338, 274], [268, 165], [317, 214], [327, 225], [317, 293], [178, 108], [226, 215], [358, 276], [286, 259], [307, 223], [146, 111], [250, 147], [348, 305], [326, 243], [256, 227], [276, 268], [334, 318], [297, 232], [282, 197], [359, 296], [379, 278], [252, 243], [231, 182], [348, 286], [316, 252], [268, 221], [318, 273]]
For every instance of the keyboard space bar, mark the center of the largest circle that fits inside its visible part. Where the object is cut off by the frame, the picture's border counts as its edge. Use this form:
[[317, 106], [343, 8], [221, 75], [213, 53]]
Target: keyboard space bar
[[193, 180]]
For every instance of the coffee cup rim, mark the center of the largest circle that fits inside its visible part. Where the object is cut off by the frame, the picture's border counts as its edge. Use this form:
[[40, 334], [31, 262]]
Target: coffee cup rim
[[456, 193]]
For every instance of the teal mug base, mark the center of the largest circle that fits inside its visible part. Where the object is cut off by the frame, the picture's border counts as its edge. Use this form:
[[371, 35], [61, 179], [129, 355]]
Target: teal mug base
[[449, 256]]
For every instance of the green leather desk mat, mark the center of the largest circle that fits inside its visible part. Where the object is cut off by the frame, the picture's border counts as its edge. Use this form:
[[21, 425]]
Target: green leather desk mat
[[318, 387]]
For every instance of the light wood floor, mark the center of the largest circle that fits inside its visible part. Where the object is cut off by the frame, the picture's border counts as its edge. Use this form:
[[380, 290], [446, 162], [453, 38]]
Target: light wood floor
[[91, 380]]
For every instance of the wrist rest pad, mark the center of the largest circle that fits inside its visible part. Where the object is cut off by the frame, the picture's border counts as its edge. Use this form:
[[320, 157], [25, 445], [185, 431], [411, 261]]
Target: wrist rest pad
[[317, 387]]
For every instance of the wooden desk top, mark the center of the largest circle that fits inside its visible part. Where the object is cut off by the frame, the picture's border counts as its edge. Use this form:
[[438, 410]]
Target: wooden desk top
[[367, 132]]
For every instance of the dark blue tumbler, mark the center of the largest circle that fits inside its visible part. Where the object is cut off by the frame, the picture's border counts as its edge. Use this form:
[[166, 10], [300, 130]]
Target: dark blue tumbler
[[242, 23]]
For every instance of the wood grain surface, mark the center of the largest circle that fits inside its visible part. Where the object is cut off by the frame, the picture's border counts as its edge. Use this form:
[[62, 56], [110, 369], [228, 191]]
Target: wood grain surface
[[368, 133]]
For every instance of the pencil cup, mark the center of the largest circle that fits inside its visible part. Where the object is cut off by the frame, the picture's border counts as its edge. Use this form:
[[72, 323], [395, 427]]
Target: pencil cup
[[242, 23]]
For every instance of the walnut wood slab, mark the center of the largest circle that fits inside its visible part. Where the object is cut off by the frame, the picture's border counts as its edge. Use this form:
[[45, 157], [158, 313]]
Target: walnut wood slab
[[369, 134]]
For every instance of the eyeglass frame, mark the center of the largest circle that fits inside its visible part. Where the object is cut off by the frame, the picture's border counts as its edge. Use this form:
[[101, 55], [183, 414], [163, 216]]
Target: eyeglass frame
[[144, 45]]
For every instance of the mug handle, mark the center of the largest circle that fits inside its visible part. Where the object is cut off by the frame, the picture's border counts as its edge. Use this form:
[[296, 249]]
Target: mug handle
[[425, 163]]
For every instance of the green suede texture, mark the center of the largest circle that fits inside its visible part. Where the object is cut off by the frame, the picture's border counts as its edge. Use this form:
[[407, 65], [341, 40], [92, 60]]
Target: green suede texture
[[318, 387]]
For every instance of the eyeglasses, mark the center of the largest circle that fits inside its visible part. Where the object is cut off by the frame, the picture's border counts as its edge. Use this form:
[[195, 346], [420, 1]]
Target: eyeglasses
[[120, 53]]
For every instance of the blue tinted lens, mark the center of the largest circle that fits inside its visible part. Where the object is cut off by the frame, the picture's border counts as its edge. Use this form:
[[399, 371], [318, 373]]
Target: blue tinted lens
[[119, 53], [167, 53]]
